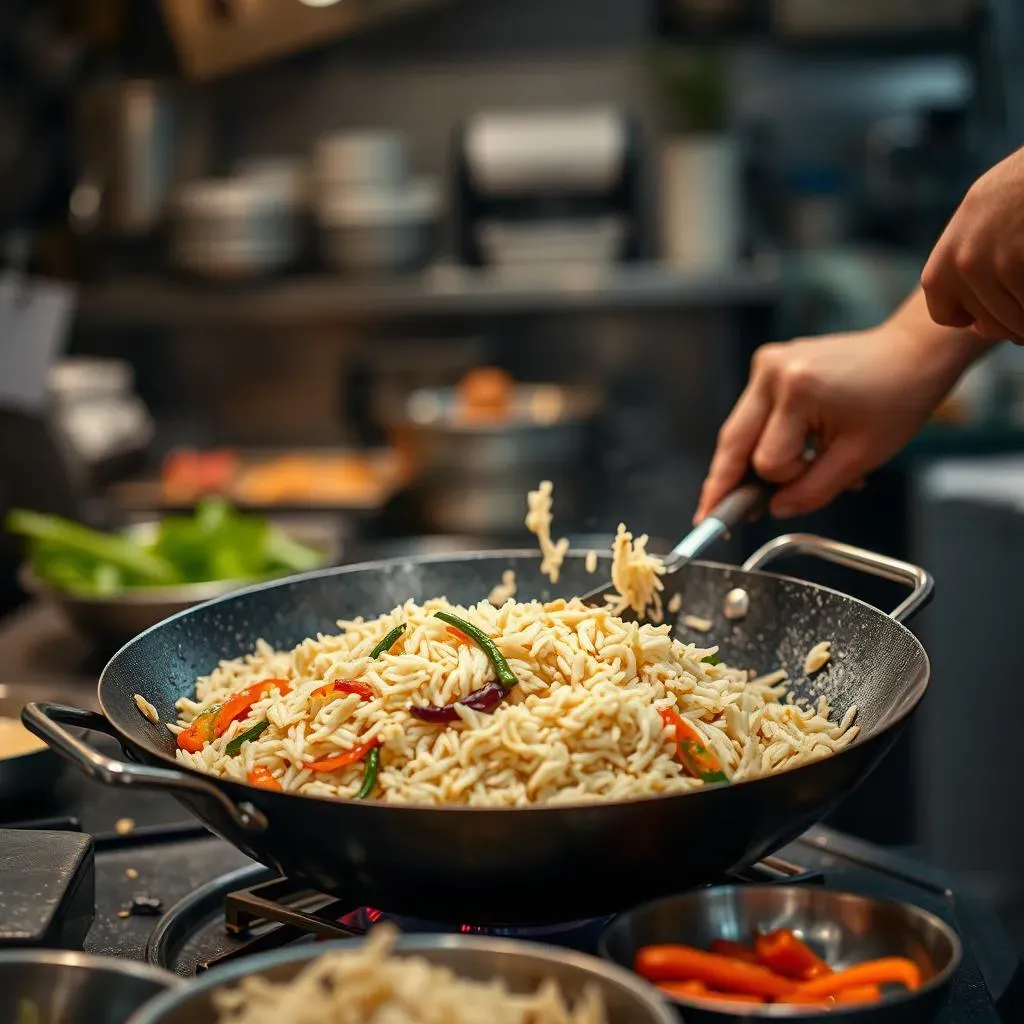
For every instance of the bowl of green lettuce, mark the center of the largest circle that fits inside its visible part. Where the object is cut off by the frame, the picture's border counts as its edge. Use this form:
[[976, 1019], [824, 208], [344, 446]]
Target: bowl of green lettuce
[[112, 586]]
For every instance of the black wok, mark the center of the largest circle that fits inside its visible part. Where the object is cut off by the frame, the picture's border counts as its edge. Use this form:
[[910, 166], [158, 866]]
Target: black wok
[[527, 865]]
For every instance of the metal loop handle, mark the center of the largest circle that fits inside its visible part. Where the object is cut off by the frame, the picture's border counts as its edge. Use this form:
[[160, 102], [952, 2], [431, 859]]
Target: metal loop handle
[[47, 721], [919, 580]]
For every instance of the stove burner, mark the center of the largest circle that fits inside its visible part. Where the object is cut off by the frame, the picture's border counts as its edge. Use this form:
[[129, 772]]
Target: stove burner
[[268, 913]]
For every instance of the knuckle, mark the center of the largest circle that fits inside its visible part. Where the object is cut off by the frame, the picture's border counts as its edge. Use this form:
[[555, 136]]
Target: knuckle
[[765, 359], [967, 260], [798, 378]]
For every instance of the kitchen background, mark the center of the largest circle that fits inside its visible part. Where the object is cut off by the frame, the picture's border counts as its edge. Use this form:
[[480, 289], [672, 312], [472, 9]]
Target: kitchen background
[[289, 232]]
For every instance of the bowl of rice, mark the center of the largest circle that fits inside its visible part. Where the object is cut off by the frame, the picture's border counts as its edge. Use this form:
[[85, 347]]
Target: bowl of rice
[[418, 979]]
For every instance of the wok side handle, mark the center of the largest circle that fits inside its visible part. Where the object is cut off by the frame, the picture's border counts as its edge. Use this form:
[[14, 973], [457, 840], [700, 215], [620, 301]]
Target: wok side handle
[[48, 722], [919, 580]]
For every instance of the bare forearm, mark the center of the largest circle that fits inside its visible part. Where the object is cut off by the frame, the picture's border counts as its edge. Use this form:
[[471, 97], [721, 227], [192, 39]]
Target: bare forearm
[[951, 350]]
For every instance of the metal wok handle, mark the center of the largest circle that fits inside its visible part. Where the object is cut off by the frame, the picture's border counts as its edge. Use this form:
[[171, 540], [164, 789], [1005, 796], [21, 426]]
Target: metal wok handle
[[920, 581], [47, 721]]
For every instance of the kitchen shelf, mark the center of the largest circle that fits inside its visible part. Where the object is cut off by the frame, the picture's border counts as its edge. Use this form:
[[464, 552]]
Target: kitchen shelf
[[441, 291]]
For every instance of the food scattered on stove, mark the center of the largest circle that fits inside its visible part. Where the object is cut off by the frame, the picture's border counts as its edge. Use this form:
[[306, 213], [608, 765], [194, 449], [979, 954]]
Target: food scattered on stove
[[16, 740], [590, 564], [778, 967], [291, 478], [146, 708], [818, 657], [696, 622], [675, 602], [374, 984], [215, 543], [527, 703], [538, 522], [145, 906], [131, 874], [124, 826]]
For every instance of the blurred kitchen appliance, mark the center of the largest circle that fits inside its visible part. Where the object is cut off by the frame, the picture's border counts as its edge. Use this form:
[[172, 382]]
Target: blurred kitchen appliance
[[548, 187], [126, 150], [105, 425]]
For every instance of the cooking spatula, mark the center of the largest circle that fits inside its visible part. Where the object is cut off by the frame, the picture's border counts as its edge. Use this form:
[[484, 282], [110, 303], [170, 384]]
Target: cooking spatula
[[747, 502]]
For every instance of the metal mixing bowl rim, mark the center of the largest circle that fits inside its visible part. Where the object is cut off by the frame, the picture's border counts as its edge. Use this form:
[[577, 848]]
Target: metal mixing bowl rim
[[781, 1011], [154, 1011], [73, 958]]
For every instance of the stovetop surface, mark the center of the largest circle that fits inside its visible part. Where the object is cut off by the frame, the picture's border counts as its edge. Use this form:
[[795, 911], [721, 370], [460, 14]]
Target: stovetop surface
[[169, 857]]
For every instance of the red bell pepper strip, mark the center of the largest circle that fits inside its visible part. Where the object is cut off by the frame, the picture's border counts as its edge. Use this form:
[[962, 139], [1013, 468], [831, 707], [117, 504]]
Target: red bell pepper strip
[[200, 731], [330, 764], [345, 686], [782, 952], [458, 635], [260, 776], [238, 705], [694, 756]]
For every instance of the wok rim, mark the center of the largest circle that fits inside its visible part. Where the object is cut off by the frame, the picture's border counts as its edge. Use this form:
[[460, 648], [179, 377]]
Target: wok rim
[[376, 806], [783, 1011], [137, 969]]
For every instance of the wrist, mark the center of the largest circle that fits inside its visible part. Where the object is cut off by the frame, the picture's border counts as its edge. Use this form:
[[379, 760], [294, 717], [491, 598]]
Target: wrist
[[948, 351]]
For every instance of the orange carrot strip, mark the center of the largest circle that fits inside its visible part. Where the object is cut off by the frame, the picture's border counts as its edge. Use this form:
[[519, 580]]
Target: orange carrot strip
[[260, 776], [782, 952], [736, 950], [684, 963], [858, 994], [684, 989], [887, 970], [459, 635]]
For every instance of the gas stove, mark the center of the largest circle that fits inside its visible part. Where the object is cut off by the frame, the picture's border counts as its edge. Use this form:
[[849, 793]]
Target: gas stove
[[169, 892]]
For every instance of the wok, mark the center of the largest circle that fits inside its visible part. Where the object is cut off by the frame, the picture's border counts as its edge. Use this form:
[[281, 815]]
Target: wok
[[515, 865]]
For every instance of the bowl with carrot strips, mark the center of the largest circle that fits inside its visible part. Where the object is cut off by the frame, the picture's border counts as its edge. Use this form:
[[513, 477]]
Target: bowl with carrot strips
[[787, 952]]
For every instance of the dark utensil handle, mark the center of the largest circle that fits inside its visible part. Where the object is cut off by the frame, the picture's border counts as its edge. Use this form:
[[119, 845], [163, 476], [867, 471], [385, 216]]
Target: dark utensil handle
[[747, 502], [47, 721], [919, 580]]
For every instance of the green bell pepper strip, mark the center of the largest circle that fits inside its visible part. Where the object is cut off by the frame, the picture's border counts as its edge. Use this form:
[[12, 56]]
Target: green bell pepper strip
[[248, 736], [505, 675], [389, 641], [369, 774]]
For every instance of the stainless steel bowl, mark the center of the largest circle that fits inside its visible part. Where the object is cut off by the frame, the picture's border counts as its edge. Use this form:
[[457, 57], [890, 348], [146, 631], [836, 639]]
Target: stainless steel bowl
[[53, 987], [473, 477], [844, 928], [113, 621], [522, 965], [26, 775]]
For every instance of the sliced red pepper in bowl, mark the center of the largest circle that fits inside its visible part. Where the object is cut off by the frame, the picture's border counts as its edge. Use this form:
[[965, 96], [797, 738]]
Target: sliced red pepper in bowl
[[782, 952]]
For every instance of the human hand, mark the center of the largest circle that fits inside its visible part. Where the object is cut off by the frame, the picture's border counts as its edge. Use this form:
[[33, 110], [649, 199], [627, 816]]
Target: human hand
[[858, 397], [975, 274]]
